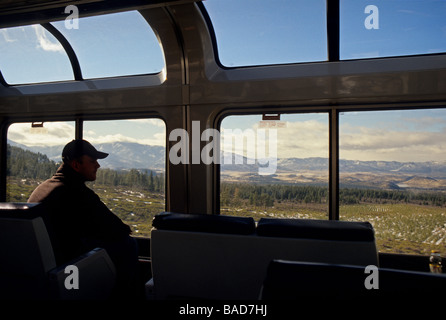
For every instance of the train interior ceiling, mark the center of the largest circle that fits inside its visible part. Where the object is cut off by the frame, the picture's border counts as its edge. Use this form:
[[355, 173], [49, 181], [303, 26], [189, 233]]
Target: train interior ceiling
[[193, 244]]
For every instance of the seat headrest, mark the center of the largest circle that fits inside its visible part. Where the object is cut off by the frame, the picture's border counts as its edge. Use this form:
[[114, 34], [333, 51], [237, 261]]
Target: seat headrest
[[21, 210], [316, 229], [204, 223]]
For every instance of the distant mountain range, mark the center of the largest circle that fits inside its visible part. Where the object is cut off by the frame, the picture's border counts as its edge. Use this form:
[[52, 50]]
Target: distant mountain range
[[122, 155], [353, 174], [299, 165], [126, 155]]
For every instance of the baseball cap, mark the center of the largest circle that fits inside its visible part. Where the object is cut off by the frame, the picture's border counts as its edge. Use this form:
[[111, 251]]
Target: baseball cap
[[78, 148]]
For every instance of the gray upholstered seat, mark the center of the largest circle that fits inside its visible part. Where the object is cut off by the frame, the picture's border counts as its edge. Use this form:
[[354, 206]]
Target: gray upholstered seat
[[28, 267]]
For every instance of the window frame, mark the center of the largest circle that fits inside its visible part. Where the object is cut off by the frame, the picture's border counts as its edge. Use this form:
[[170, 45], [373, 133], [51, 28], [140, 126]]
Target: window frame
[[213, 37], [74, 60], [78, 134], [333, 41]]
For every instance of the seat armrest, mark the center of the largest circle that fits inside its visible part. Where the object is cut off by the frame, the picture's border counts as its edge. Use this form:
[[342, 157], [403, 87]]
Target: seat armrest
[[96, 276]]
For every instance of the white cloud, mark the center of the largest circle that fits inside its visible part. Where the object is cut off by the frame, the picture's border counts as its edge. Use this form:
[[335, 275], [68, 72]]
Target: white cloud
[[52, 133], [158, 139], [153, 122], [390, 145], [6, 36], [44, 42], [60, 133], [143, 131], [302, 139]]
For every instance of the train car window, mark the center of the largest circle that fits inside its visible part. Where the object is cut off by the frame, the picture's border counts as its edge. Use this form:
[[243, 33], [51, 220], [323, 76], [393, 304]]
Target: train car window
[[372, 29], [131, 180], [116, 44], [263, 32], [274, 168], [22, 47], [34, 154], [393, 174]]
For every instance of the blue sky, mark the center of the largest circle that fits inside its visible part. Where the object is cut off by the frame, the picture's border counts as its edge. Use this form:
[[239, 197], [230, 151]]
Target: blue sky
[[249, 32], [256, 32], [405, 27]]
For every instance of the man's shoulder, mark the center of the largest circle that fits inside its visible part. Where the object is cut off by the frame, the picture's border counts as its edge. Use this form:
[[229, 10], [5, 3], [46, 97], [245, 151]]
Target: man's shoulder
[[45, 189]]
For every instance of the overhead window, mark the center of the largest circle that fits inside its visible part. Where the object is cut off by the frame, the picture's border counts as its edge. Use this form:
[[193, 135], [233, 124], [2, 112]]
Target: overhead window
[[30, 54], [119, 44], [371, 29], [263, 32], [111, 45]]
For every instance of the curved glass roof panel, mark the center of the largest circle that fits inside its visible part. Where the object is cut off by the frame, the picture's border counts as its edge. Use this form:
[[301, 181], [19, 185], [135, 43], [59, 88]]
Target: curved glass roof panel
[[265, 32], [30, 54], [116, 44], [391, 28]]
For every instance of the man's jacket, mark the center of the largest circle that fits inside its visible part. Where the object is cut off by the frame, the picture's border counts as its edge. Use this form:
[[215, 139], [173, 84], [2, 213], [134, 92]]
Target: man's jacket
[[77, 219]]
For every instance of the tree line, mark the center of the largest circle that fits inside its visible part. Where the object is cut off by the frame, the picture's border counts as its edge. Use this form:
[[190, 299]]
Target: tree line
[[357, 195], [266, 195], [143, 179], [25, 164], [235, 194]]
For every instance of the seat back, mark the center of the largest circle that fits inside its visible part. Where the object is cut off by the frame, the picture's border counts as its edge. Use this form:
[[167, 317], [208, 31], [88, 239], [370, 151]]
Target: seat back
[[295, 280], [96, 275], [192, 262], [28, 267], [189, 251], [26, 254], [330, 241]]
